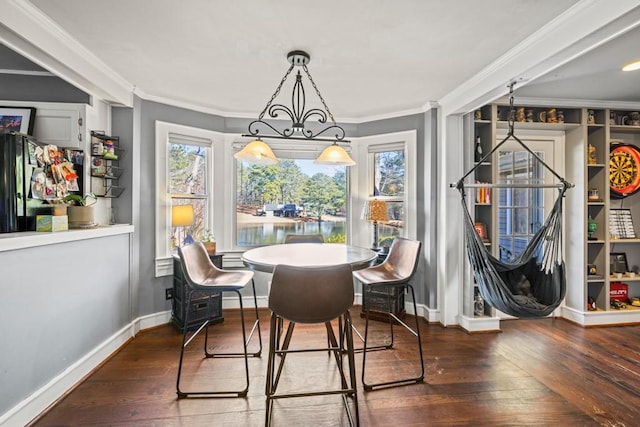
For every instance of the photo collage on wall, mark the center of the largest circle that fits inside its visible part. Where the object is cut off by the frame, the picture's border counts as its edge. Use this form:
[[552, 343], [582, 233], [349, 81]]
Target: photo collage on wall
[[54, 175]]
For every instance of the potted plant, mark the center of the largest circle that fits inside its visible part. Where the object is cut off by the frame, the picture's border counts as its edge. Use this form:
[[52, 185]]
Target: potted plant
[[80, 210], [209, 241]]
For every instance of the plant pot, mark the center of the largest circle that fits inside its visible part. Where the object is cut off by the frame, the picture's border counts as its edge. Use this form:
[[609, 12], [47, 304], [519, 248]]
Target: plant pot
[[210, 247], [81, 217]]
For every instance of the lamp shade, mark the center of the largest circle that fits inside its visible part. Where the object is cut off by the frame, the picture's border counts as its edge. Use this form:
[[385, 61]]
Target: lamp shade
[[181, 215], [375, 210], [335, 155], [257, 152]]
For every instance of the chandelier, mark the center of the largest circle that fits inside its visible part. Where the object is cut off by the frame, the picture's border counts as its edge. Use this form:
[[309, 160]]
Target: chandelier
[[258, 152]]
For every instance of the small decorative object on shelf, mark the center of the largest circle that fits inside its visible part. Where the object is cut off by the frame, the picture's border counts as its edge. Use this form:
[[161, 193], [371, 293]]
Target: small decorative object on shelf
[[209, 242], [591, 304], [530, 116], [594, 195], [477, 115], [591, 117], [481, 229], [560, 116], [592, 227], [591, 155], [592, 270], [621, 224], [478, 154]]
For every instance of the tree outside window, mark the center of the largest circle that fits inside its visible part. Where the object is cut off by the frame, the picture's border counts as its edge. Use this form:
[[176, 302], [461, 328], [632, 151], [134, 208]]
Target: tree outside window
[[389, 185], [295, 196], [188, 185]]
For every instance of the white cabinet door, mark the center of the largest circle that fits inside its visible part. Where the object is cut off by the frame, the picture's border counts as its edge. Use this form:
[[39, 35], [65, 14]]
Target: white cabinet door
[[61, 127]]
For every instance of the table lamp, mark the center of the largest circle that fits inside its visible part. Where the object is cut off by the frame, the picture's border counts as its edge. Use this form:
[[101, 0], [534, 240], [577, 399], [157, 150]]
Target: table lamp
[[375, 210], [181, 216]]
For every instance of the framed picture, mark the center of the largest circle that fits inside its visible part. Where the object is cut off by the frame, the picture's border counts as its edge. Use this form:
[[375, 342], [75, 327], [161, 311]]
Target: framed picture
[[17, 119], [481, 229], [618, 262]]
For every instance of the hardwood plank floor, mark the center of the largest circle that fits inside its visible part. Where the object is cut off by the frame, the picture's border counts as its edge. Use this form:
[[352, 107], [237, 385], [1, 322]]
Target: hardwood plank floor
[[536, 372]]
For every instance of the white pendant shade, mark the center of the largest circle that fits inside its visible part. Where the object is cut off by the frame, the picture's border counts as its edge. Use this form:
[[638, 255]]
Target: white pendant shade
[[335, 155], [257, 152]]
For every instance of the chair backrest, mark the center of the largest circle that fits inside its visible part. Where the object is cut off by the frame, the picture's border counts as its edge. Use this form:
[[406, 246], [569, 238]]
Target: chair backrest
[[196, 264], [403, 257], [303, 238], [311, 294]]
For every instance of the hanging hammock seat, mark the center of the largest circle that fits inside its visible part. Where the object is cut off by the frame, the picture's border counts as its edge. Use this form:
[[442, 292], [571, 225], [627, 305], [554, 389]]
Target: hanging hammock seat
[[534, 283], [525, 287]]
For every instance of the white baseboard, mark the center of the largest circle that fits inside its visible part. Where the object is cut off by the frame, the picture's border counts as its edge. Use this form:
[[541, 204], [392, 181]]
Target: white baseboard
[[42, 398]]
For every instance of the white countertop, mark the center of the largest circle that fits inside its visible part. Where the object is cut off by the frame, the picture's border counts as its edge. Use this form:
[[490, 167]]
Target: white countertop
[[28, 239]]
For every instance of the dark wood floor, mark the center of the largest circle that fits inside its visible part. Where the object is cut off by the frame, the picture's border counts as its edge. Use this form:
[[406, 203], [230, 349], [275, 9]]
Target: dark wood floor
[[536, 372]]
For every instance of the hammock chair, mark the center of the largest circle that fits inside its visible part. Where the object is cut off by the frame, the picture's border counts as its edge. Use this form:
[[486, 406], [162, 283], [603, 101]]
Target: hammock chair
[[534, 283]]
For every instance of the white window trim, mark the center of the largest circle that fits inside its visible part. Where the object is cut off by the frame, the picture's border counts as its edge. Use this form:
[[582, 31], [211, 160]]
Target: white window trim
[[363, 176], [165, 131]]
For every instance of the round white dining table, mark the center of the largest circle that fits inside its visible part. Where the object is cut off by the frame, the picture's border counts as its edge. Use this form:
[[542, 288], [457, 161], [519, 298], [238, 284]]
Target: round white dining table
[[266, 258]]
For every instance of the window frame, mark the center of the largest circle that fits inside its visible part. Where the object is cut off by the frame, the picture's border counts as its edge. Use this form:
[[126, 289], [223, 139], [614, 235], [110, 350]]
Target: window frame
[[167, 133], [363, 182]]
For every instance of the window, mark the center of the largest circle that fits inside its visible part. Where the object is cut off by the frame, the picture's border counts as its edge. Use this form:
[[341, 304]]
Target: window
[[387, 171], [188, 164], [184, 176], [388, 185], [295, 196]]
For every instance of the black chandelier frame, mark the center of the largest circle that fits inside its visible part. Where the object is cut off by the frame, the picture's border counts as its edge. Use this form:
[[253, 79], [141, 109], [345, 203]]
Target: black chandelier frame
[[297, 112]]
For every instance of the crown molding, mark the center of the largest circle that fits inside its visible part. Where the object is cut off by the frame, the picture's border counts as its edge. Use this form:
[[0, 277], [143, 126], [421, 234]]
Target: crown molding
[[28, 31], [250, 115]]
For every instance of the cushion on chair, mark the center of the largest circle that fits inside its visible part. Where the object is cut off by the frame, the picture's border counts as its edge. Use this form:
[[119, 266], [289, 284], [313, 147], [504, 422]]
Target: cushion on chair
[[200, 272], [397, 269]]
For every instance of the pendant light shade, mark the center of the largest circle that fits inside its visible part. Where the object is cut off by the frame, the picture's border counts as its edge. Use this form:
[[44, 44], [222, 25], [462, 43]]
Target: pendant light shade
[[257, 152], [335, 155]]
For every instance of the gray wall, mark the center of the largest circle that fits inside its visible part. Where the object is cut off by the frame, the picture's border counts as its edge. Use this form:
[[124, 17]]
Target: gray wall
[[151, 292], [59, 302], [18, 87], [424, 282]]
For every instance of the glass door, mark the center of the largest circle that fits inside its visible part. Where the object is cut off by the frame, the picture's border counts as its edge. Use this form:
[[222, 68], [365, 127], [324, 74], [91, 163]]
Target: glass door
[[522, 210]]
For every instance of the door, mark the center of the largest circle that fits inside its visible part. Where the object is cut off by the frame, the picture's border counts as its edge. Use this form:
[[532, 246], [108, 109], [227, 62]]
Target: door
[[521, 211]]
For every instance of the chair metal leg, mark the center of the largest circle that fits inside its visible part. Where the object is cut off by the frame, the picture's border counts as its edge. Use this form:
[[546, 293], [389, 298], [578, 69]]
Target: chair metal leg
[[385, 346], [415, 333], [348, 387], [244, 354]]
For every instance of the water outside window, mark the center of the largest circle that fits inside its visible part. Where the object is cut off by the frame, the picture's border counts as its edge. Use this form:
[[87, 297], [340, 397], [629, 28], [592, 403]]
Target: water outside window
[[295, 196]]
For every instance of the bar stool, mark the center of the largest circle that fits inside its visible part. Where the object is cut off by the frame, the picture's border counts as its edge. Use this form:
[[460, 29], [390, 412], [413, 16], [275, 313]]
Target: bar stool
[[312, 295], [396, 271], [204, 278]]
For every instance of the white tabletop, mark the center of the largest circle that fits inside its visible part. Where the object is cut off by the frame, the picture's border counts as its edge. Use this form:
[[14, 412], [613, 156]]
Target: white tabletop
[[308, 255]]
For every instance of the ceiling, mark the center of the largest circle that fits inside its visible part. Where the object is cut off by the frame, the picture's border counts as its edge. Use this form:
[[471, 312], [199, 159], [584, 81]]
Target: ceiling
[[368, 58]]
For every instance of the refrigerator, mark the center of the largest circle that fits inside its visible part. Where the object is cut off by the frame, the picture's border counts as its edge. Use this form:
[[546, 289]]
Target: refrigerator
[[17, 162]]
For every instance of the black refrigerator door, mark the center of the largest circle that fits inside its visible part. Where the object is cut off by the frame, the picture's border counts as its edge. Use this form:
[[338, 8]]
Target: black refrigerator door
[[10, 147]]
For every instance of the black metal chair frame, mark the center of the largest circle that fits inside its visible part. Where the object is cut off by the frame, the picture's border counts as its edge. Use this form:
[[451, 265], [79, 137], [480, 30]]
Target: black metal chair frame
[[392, 317], [388, 286], [279, 346], [246, 339]]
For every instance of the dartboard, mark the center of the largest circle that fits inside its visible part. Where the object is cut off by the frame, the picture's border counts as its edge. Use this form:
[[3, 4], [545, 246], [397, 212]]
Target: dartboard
[[624, 170]]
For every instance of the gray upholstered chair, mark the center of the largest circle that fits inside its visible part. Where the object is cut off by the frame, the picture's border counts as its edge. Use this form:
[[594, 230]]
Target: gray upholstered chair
[[396, 271], [303, 238], [312, 295], [204, 278]]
